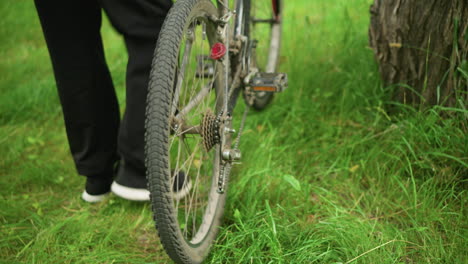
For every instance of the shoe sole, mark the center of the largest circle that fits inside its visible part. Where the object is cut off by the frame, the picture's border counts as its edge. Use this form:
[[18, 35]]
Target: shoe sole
[[142, 195], [93, 198], [128, 193]]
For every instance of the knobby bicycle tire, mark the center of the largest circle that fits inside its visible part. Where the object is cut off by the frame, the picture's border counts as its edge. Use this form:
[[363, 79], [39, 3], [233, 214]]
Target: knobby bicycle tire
[[162, 95]]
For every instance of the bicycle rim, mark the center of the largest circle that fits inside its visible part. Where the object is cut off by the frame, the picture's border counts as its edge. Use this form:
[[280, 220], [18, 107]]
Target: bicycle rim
[[264, 26]]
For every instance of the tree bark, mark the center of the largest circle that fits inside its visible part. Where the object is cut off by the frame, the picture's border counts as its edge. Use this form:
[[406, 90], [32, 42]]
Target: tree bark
[[421, 47]]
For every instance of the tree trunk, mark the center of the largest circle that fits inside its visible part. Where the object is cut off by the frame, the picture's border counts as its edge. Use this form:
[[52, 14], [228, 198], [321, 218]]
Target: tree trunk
[[421, 47]]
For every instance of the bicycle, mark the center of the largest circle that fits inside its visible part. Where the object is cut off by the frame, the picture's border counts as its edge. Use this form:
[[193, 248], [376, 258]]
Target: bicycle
[[206, 55]]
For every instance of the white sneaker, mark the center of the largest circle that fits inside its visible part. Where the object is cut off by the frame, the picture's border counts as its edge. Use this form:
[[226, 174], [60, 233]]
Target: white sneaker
[[181, 189], [129, 193], [96, 189], [93, 198]]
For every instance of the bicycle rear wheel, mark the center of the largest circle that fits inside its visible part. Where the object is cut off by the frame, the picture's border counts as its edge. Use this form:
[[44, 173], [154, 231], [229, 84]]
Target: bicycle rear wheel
[[263, 26], [185, 100]]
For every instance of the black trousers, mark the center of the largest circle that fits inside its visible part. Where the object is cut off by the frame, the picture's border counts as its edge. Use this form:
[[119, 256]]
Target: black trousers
[[96, 135]]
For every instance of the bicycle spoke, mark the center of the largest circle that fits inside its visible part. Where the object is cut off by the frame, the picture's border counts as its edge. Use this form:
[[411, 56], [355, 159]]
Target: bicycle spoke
[[181, 73], [195, 101]]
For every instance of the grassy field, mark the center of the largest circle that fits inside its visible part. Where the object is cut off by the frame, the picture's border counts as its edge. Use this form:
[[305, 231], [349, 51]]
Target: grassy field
[[328, 175]]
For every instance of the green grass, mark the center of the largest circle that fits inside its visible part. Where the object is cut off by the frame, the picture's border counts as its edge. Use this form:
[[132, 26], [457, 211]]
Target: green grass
[[327, 177]]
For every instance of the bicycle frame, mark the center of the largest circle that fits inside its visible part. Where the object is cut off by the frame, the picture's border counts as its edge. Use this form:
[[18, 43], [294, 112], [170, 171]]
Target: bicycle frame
[[224, 36], [238, 71], [223, 7], [228, 154]]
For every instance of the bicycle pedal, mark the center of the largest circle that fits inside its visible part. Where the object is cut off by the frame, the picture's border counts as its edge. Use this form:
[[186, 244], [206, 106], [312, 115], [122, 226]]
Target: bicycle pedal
[[205, 67], [269, 82]]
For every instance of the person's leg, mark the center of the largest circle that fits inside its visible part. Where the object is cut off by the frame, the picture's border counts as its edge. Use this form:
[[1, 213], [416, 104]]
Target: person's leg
[[90, 108], [139, 21]]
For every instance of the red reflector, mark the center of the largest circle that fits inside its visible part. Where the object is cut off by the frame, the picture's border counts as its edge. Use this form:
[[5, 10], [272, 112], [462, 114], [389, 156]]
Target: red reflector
[[217, 51]]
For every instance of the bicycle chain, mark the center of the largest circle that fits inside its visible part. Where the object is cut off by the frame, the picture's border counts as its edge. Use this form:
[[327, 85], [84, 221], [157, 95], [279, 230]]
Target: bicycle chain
[[226, 169], [241, 127]]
